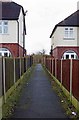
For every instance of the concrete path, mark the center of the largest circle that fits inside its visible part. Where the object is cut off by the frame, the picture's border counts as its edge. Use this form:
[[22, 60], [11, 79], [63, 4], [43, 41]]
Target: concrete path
[[38, 100]]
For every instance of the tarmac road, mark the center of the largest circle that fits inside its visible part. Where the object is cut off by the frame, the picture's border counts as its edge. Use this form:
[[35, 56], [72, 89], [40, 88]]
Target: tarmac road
[[38, 100]]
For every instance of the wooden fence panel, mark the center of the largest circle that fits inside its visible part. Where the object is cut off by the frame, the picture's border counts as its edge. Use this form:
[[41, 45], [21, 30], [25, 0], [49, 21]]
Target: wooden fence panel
[[31, 61], [28, 62], [59, 70], [53, 67], [66, 74], [11, 70], [25, 64], [9, 73], [75, 79], [47, 64], [1, 78], [17, 69], [50, 65], [22, 66]]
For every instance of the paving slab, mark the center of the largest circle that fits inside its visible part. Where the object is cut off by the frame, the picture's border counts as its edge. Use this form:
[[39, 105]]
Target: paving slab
[[38, 100]]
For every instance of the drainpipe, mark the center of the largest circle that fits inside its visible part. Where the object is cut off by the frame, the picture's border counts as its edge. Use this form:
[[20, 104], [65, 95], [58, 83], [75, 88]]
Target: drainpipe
[[24, 31], [23, 42], [18, 37], [23, 36]]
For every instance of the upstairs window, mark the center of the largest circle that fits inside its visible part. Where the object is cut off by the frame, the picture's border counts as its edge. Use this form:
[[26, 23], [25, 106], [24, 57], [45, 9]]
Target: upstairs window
[[69, 33], [4, 27], [0, 27], [66, 32]]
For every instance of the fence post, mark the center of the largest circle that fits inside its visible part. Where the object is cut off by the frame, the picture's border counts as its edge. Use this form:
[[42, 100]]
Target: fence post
[[52, 66], [1, 87], [61, 73], [71, 80], [4, 89], [26, 63], [20, 67], [14, 71], [56, 68]]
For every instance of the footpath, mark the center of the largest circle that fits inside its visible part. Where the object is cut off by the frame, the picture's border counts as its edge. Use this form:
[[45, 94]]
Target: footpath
[[38, 100]]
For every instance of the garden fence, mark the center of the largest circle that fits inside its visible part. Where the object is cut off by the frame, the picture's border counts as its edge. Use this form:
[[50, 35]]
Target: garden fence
[[67, 74]]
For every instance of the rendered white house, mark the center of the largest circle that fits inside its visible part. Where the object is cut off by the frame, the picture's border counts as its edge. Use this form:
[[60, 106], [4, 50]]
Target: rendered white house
[[65, 38], [12, 29]]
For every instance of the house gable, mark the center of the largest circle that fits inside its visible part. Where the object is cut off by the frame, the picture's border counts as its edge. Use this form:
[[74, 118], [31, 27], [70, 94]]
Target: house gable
[[15, 16], [65, 38], [58, 38], [11, 11], [71, 21]]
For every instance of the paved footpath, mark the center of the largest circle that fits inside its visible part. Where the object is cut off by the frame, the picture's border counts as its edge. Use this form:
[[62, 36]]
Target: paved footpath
[[38, 100]]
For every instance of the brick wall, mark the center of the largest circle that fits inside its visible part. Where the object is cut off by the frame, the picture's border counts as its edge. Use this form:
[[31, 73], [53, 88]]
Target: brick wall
[[15, 49], [59, 51]]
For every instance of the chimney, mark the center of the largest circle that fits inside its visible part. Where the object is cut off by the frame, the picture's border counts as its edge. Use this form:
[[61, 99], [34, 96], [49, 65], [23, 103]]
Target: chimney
[[78, 5], [5, 0]]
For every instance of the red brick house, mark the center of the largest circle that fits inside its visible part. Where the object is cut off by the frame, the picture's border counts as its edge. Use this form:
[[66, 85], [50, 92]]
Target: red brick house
[[65, 38], [12, 29]]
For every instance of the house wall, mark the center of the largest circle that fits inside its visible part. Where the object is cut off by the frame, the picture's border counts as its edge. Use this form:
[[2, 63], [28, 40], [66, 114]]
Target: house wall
[[58, 38], [21, 28], [15, 49], [11, 37], [78, 36], [59, 51], [13, 41]]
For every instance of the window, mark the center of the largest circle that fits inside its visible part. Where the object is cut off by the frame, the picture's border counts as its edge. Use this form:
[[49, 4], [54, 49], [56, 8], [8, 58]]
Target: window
[[69, 32], [67, 56], [3, 27], [70, 55], [5, 54], [66, 32], [0, 27], [0, 54]]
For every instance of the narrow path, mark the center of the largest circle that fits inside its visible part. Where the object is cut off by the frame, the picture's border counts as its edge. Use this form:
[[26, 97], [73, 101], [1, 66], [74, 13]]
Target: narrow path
[[38, 100]]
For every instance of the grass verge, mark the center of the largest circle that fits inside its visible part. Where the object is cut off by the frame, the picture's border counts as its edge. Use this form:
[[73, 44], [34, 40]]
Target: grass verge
[[8, 107]]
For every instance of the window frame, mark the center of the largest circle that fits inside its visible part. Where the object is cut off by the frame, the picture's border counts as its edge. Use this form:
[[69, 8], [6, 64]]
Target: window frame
[[69, 33], [4, 27], [70, 53]]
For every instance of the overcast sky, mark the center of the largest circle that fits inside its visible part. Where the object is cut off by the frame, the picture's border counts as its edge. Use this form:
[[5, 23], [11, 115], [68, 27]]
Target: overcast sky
[[41, 18]]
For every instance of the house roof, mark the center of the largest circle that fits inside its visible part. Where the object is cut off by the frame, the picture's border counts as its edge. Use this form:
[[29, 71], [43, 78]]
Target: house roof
[[10, 11], [72, 20]]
